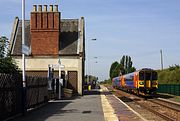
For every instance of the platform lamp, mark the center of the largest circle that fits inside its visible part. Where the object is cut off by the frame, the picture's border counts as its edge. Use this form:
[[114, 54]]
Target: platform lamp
[[23, 59], [94, 39]]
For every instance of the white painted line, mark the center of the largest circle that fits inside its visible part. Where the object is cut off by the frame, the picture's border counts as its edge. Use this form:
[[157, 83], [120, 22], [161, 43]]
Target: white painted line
[[131, 109]]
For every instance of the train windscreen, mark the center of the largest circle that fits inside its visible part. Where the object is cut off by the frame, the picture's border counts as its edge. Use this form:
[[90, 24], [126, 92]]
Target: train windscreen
[[141, 75], [148, 75], [154, 75]]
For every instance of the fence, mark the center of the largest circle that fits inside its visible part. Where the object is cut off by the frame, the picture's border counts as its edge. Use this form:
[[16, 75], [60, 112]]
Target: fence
[[12, 94], [37, 92], [173, 89]]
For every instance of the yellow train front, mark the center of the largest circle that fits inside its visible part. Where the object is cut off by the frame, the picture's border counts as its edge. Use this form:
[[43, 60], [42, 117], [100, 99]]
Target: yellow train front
[[146, 82]]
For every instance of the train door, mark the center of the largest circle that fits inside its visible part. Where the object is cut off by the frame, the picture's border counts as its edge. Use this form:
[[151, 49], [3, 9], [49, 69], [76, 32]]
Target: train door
[[141, 81], [151, 79], [135, 80], [147, 79], [154, 82], [144, 80]]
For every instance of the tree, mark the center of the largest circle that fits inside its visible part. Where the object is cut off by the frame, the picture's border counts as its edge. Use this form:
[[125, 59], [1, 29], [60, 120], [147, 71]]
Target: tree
[[7, 64], [90, 79], [3, 46], [114, 70], [174, 67], [126, 65]]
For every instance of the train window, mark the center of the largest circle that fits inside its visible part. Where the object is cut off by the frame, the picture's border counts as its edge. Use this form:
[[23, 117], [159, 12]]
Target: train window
[[129, 79], [148, 76], [141, 76], [154, 75]]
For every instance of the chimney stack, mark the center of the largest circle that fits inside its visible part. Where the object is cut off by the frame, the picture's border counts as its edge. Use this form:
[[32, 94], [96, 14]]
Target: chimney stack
[[45, 8], [39, 8], [34, 8], [45, 30], [56, 8], [51, 8]]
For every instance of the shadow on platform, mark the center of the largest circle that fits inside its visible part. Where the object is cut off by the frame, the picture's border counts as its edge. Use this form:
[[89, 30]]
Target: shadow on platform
[[92, 92], [41, 114], [57, 108]]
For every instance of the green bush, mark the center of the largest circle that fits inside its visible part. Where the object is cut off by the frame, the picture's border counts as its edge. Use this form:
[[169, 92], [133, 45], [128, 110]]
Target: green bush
[[109, 81], [170, 75], [8, 65]]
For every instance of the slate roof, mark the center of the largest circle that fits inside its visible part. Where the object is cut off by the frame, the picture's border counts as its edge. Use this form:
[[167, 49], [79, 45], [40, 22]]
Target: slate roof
[[68, 37]]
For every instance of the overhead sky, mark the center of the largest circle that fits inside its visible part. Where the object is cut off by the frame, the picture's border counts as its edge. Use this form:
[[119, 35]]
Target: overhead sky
[[138, 28]]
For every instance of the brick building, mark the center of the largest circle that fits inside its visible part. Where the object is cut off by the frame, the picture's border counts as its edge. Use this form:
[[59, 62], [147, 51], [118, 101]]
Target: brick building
[[49, 38]]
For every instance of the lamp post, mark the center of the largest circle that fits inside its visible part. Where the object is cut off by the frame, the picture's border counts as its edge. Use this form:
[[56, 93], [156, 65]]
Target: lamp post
[[88, 70], [23, 43], [24, 109], [93, 39], [60, 83]]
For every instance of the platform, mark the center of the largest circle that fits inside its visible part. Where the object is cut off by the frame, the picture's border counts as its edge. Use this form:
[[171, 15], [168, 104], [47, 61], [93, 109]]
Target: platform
[[79, 108], [95, 105]]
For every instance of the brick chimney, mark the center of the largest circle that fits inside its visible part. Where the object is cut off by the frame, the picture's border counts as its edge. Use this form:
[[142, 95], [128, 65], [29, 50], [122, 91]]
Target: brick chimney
[[45, 30]]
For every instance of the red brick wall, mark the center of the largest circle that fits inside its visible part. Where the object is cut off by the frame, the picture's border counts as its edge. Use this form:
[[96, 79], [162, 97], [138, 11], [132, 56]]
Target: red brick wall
[[45, 30]]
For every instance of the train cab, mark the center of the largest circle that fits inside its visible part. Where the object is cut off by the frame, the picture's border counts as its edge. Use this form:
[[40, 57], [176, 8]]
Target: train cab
[[147, 82]]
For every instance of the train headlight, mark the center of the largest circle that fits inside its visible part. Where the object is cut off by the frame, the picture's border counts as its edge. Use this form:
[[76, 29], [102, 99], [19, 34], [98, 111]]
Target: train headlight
[[154, 83], [141, 83]]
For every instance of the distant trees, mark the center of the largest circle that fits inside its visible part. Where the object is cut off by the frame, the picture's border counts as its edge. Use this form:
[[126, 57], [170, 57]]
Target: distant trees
[[170, 75], [109, 81], [90, 79], [174, 67], [114, 69], [3, 46], [124, 67], [7, 64]]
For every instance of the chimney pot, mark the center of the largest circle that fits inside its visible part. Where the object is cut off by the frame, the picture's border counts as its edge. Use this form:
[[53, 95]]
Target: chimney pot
[[34, 8], [45, 8], [51, 8], [40, 8], [56, 8]]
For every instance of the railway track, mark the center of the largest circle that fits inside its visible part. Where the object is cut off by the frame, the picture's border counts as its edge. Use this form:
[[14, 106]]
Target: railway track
[[164, 112], [167, 110], [167, 104]]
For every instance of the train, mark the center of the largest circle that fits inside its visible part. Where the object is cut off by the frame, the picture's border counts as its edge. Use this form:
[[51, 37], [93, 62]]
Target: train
[[141, 82]]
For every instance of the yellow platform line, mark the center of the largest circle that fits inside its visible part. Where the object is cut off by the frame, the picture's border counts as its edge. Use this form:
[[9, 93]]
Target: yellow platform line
[[109, 113]]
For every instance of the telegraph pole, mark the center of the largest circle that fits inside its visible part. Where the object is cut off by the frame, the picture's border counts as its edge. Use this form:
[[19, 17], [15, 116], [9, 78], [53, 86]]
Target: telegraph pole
[[161, 59]]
